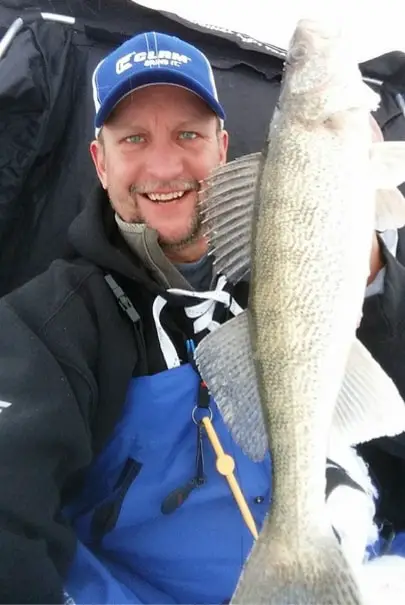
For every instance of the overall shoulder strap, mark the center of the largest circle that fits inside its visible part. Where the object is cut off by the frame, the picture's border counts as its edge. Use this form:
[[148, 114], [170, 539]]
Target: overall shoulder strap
[[128, 308]]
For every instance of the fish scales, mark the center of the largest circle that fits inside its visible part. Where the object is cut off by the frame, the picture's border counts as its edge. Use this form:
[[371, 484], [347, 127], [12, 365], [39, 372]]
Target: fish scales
[[310, 258], [311, 243]]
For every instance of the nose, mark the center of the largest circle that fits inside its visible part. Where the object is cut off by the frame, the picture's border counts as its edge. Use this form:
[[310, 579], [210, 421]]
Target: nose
[[164, 161]]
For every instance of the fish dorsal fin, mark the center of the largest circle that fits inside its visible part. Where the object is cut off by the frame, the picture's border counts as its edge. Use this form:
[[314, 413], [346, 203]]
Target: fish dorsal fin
[[228, 198]]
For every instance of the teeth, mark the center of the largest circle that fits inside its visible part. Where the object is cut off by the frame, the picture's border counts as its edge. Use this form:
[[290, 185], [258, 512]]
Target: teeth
[[165, 197]]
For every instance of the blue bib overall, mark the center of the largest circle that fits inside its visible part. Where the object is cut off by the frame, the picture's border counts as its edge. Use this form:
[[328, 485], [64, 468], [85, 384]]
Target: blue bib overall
[[191, 555]]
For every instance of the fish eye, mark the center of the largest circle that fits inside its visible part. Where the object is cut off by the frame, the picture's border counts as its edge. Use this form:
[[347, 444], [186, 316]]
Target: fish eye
[[296, 53]]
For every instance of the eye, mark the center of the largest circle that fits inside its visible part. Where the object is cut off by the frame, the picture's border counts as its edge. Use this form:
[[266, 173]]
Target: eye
[[135, 138], [186, 135], [296, 54]]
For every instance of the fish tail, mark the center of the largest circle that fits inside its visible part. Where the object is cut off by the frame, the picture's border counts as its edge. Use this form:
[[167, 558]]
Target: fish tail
[[316, 574]]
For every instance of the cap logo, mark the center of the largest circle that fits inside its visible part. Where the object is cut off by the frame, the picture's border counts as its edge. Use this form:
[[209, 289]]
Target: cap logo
[[151, 59]]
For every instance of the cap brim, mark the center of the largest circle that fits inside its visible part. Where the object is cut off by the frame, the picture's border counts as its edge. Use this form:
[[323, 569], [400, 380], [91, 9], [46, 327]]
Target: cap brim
[[156, 75]]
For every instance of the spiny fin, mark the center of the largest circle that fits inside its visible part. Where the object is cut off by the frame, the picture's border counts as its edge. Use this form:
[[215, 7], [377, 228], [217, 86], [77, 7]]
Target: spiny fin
[[390, 209], [228, 197], [369, 404], [225, 363], [388, 163]]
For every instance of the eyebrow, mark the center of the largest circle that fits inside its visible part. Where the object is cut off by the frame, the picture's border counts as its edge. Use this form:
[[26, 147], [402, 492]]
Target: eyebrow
[[192, 121], [135, 127]]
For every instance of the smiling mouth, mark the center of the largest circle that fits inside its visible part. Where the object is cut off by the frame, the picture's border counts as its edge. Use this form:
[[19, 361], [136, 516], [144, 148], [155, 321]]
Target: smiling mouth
[[165, 198]]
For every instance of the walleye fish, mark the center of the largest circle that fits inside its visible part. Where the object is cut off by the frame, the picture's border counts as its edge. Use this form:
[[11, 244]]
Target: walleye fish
[[288, 373]]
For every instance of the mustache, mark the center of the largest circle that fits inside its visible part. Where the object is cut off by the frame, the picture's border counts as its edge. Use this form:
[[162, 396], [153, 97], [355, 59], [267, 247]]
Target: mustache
[[176, 185]]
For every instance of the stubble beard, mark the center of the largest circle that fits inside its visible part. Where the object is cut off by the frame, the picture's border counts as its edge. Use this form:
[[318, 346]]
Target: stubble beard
[[170, 244], [194, 233]]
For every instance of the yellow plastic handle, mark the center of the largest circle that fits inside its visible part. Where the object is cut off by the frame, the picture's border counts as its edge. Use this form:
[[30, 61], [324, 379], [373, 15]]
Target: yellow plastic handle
[[226, 466]]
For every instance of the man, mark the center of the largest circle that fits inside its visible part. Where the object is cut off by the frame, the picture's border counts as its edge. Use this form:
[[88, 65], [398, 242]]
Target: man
[[109, 487]]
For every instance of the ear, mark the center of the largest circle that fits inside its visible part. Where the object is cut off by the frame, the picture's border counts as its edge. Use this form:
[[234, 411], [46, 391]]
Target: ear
[[97, 153], [223, 139]]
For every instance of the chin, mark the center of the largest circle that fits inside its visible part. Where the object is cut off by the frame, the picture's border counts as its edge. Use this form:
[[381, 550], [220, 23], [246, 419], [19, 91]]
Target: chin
[[175, 237], [180, 239], [174, 240]]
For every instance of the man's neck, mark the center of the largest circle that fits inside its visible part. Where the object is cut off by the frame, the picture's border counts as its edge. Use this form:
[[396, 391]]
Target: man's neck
[[191, 253], [198, 274]]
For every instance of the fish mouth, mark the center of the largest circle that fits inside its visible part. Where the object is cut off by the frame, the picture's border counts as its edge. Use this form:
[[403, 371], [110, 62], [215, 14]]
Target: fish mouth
[[314, 58], [325, 29], [312, 38]]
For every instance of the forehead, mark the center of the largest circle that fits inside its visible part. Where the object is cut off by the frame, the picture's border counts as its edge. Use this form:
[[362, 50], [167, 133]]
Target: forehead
[[168, 100]]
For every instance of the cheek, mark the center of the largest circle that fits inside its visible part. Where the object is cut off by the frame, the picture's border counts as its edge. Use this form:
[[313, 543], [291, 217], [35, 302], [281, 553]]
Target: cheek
[[205, 163], [120, 174]]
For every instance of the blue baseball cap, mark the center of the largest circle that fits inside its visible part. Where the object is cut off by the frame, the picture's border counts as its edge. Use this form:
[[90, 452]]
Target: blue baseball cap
[[152, 58]]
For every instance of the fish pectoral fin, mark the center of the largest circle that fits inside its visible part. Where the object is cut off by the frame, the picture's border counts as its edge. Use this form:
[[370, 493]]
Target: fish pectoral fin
[[388, 163], [227, 201], [390, 209], [225, 361], [369, 405]]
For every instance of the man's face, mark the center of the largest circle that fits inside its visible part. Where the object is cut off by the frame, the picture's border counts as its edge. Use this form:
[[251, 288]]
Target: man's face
[[159, 143]]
